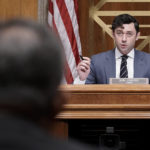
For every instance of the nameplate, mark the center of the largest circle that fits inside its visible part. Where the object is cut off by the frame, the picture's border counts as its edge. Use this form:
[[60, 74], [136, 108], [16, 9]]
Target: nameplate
[[128, 81]]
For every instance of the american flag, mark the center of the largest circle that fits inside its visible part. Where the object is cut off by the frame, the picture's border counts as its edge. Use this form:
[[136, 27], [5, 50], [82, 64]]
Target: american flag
[[62, 17]]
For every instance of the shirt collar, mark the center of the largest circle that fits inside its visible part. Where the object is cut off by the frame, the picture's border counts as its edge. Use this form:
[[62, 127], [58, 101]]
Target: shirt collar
[[118, 54]]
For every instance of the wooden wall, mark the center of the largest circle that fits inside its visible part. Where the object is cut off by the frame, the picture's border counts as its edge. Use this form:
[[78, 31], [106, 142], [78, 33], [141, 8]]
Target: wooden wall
[[94, 38], [18, 8]]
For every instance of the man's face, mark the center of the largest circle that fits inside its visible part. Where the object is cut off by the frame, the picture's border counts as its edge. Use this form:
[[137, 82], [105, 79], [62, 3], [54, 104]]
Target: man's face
[[125, 37]]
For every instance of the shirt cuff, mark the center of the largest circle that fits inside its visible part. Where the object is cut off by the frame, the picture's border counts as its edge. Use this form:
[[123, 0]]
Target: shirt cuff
[[78, 81]]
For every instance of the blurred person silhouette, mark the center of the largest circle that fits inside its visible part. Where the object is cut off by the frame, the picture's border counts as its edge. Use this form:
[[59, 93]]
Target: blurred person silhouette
[[31, 67]]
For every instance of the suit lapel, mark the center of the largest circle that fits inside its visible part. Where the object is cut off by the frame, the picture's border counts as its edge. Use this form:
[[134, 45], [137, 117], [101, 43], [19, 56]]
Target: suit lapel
[[138, 64], [110, 65]]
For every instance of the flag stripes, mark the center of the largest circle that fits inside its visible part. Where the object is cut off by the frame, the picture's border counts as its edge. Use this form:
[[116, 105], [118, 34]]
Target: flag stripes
[[62, 16]]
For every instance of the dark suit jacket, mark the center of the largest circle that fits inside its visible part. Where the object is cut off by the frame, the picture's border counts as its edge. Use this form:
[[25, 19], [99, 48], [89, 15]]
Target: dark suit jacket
[[20, 134], [103, 67]]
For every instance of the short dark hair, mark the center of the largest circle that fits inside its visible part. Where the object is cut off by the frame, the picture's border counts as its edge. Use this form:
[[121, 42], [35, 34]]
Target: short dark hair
[[124, 19], [31, 66]]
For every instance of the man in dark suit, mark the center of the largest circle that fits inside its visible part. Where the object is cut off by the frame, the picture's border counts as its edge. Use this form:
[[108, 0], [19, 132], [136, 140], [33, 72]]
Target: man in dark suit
[[31, 66], [125, 31]]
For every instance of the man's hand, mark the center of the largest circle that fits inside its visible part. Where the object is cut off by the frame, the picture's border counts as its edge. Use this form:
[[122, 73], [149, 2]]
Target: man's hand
[[83, 68]]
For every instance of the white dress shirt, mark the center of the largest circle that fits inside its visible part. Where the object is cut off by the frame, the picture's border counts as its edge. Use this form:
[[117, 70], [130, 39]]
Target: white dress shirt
[[130, 63], [78, 81]]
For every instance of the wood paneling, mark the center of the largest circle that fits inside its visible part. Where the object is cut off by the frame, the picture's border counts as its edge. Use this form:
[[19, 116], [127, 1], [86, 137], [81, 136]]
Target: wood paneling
[[18, 8], [106, 102], [93, 38], [29, 8], [59, 129], [9, 8], [92, 108]]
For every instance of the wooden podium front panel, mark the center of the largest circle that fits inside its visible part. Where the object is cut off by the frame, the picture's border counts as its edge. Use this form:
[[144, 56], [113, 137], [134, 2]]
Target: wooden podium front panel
[[89, 109], [106, 102]]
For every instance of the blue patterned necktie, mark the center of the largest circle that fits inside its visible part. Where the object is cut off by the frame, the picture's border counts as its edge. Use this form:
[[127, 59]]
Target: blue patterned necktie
[[123, 67]]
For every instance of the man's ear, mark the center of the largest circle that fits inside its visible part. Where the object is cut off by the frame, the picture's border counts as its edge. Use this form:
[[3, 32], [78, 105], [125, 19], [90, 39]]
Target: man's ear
[[137, 36]]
